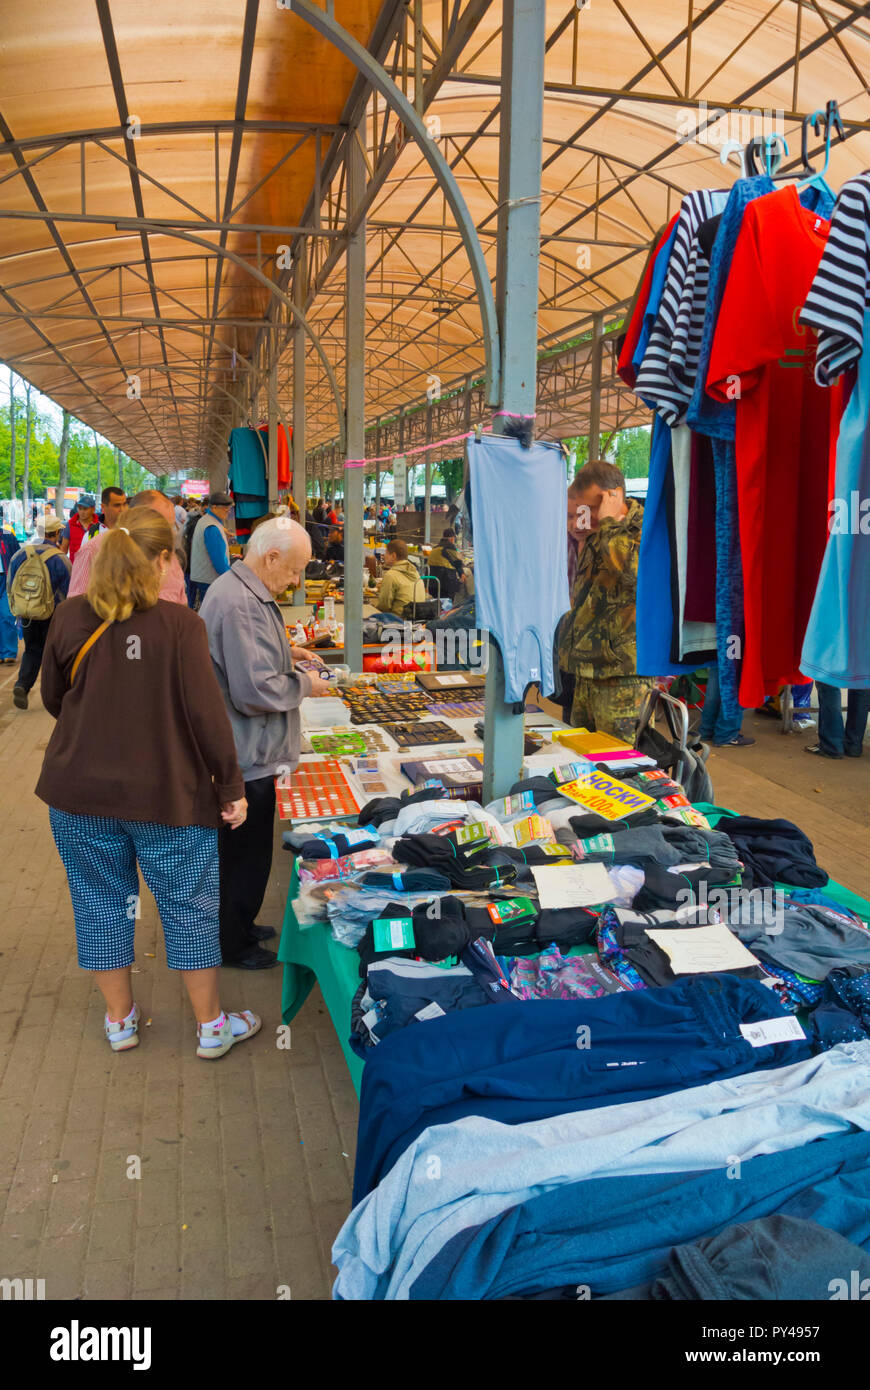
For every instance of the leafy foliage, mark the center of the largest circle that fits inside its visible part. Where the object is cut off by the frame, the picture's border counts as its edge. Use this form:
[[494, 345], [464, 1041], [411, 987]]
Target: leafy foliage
[[44, 448]]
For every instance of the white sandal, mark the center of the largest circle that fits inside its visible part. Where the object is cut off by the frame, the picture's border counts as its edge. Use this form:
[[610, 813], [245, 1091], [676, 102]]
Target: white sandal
[[223, 1030], [125, 1034]]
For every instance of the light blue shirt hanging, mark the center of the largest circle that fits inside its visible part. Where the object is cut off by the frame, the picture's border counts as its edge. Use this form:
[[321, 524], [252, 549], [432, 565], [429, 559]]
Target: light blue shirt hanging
[[519, 505], [837, 642]]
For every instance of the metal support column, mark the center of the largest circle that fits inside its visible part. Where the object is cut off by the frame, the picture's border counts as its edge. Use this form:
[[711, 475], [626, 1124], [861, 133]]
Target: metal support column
[[519, 219], [297, 339], [427, 525], [595, 388], [272, 407], [354, 474]]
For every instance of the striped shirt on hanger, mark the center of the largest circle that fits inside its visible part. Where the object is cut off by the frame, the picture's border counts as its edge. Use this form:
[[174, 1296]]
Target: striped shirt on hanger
[[655, 383], [840, 292]]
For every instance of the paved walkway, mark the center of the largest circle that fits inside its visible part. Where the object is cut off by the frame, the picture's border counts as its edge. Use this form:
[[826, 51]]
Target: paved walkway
[[245, 1163]]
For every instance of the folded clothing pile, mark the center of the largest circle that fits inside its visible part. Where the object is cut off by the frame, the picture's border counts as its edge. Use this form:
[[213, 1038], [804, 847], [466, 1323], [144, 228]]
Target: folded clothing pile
[[843, 1012], [774, 851], [350, 909], [326, 844], [436, 934], [637, 960], [348, 866], [398, 991], [551, 975], [407, 881], [522, 1065], [805, 938], [533, 930], [683, 884], [386, 808], [460, 864], [663, 844]]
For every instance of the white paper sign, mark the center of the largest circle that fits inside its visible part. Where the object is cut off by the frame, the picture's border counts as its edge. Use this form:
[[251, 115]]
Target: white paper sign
[[695, 950], [773, 1030], [572, 885]]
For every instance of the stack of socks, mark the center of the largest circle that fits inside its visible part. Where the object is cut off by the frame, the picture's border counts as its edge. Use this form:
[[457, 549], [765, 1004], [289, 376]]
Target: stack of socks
[[463, 868], [435, 937]]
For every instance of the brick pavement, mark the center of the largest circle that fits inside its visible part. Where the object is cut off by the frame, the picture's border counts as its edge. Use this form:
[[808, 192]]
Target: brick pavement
[[245, 1163]]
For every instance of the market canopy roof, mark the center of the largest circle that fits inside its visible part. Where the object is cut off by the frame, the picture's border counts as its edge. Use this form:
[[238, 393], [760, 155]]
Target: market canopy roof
[[158, 161]]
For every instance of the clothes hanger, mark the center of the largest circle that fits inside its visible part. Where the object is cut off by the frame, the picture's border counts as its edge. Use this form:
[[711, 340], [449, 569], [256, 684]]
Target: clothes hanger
[[734, 147], [828, 120], [771, 149], [833, 121]]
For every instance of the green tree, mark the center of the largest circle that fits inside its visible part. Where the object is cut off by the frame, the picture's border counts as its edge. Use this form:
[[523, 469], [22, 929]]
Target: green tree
[[628, 449]]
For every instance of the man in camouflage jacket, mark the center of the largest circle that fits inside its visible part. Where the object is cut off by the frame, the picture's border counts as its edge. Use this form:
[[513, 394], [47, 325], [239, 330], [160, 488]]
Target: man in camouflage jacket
[[597, 641]]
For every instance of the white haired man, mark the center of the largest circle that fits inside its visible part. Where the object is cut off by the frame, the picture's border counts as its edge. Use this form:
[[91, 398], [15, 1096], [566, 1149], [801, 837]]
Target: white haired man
[[253, 662]]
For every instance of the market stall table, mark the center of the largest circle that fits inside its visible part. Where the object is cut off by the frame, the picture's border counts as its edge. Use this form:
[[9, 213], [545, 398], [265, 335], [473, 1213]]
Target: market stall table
[[310, 955]]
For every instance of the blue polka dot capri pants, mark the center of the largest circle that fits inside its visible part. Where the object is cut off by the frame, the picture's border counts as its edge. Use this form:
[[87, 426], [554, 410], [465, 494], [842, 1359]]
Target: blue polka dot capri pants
[[180, 866]]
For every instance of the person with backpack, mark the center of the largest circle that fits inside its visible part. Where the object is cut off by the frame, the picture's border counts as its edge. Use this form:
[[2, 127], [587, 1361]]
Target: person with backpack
[[8, 627], [37, 581], [193, 520]]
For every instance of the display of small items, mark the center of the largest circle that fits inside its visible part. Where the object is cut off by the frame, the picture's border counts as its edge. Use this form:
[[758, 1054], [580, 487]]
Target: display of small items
[[410, 735], [368, 708], [316, 791], [457, 709], [347, 740], [338, 745]]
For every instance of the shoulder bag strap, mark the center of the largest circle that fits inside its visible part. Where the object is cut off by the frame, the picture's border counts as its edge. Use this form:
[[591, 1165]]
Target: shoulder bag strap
[[86, 647]]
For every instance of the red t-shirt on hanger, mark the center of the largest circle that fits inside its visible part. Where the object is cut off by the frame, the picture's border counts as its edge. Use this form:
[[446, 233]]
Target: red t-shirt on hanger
[[283, 474], [624, 367], [787, 428]]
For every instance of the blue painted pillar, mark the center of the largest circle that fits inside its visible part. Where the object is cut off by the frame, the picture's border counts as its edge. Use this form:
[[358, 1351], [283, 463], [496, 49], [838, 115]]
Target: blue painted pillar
[[519, 226]]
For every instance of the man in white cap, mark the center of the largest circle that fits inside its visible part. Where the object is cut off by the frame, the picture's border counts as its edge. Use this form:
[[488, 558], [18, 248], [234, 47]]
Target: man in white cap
[[254, 664]]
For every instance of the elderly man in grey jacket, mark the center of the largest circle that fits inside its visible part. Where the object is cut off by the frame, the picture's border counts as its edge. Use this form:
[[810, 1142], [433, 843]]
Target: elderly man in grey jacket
[[254, 665]]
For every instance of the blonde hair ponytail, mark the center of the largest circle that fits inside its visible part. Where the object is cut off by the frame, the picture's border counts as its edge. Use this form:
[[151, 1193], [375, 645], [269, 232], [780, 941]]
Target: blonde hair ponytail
[[123, 576]]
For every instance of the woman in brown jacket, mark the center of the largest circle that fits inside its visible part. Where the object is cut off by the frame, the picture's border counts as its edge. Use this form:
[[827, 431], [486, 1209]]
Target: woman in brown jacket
[[125, 669]]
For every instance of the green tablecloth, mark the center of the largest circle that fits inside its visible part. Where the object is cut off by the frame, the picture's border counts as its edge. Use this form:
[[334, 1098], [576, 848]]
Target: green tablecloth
[[309, 954]]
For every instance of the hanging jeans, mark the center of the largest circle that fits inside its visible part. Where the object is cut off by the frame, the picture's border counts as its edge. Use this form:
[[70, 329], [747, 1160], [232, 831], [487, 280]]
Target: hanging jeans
[[8, 626], [833, 738], [729, 583]]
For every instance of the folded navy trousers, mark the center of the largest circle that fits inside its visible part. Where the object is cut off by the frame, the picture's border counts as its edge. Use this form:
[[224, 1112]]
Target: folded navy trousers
[[557, 1056]]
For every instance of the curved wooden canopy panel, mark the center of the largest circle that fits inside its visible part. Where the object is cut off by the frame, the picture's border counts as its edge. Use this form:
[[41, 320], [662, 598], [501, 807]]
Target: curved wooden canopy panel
[[239, 114], [184, 109]]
